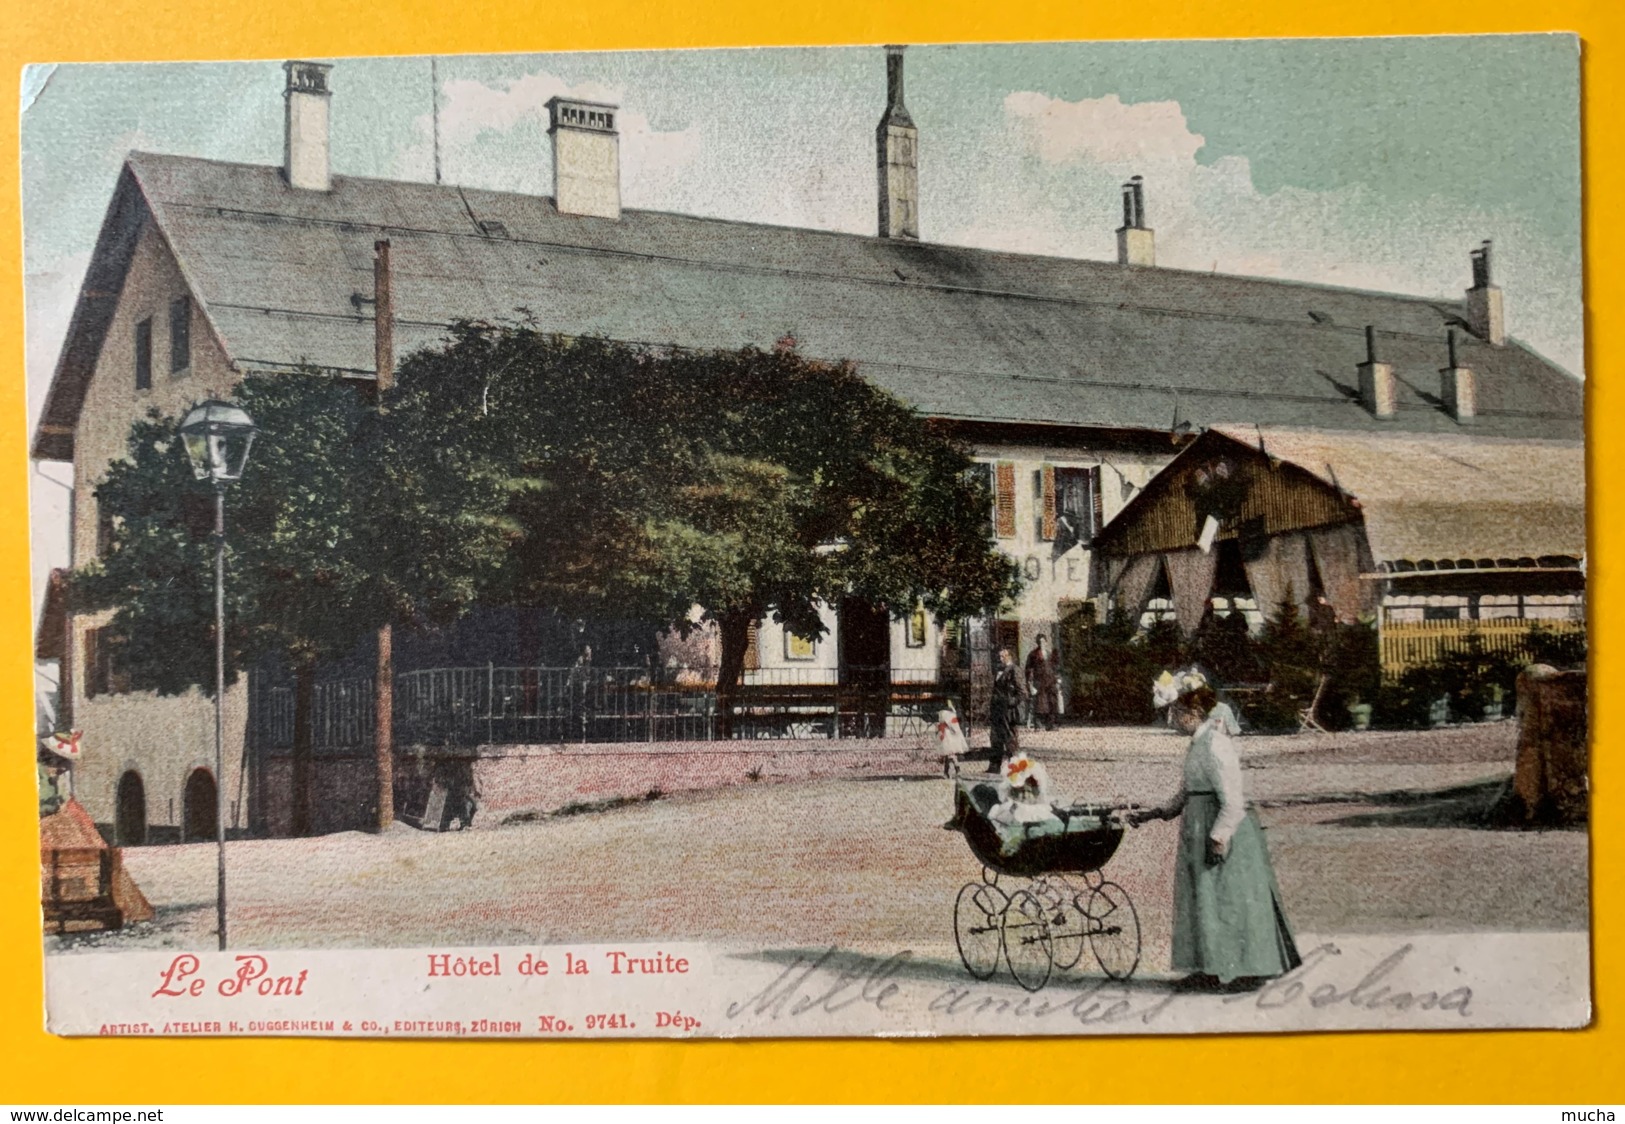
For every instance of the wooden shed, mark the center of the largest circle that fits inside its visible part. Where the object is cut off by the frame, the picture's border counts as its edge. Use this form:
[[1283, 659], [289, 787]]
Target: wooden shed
[[1433, 537]]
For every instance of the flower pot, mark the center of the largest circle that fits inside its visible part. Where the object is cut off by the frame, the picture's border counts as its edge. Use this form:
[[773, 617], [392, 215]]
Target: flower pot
[[1360, 715]]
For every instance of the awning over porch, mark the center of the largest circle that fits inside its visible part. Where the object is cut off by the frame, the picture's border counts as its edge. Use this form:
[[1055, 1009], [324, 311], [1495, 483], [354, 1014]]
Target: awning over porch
[[1446, 502]]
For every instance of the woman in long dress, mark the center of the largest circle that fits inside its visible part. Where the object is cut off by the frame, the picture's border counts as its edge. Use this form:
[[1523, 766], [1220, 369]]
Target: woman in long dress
[[1004, 711], [1230, 929]]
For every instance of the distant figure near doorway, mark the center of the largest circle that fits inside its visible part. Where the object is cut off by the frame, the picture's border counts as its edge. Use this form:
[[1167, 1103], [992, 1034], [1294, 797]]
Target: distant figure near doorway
[[1043, 684]]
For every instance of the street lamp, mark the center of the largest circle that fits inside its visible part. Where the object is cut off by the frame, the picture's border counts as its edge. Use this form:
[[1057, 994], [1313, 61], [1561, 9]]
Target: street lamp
[[218, 436]]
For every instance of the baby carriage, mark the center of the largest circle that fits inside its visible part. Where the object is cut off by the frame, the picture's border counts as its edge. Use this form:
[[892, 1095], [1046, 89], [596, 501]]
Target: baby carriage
[[1041, 896]]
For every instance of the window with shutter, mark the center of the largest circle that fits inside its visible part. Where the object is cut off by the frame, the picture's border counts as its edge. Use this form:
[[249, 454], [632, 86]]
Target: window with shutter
[[1046, 503], [104, 669], [95, 669], [982, 473], [104, 531], [1097, 502], [1004, 500], [1075, 505]]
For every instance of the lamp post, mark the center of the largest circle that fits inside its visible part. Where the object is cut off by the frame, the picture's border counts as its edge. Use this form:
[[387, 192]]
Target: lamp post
[[218, 436]]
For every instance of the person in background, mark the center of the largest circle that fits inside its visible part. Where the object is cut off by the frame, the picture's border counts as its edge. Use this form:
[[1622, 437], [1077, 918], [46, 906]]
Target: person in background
[[1004, 713], [1230, 930], [578, 687], [1044, 684]]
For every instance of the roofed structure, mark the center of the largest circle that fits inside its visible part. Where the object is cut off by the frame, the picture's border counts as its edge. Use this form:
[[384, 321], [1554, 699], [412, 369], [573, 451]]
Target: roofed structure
[[1354, 518], [281, 275]]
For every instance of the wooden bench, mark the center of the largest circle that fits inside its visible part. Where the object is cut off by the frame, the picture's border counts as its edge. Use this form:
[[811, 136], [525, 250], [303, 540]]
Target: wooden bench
[[852, 709]]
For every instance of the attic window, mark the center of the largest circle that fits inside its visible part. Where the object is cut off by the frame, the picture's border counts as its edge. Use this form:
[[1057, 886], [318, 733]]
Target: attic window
[[491, 228], [1320, 317], [143, 355], [180, 334]]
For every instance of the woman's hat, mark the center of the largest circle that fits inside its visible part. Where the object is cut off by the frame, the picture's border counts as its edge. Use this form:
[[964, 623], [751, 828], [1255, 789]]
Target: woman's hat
[[1018, 770], [1170, 686]]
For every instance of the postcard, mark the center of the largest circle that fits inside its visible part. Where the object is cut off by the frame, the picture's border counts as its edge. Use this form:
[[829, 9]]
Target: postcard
[[1035, 539]]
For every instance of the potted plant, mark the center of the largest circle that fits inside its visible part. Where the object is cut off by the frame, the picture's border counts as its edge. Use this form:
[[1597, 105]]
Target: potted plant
[[1360, 714], [1494, 706]]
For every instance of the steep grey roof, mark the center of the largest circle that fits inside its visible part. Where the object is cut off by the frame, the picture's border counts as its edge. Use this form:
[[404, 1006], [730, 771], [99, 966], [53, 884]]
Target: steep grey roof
[[959, 333]]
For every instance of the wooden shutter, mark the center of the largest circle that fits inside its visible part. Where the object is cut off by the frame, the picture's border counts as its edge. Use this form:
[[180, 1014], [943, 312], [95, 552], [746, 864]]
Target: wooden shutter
[[1097, 502], [753, 648], [1046, 499], [95, 668], [1004, 500]]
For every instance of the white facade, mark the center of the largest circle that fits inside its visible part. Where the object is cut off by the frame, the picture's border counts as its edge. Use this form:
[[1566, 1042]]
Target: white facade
[[1055, 579]]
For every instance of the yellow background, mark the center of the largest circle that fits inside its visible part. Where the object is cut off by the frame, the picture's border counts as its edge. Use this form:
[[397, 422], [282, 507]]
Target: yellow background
[[1572, 1068]]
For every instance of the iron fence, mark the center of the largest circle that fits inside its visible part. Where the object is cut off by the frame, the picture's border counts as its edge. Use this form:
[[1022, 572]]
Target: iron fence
[[467, 706]]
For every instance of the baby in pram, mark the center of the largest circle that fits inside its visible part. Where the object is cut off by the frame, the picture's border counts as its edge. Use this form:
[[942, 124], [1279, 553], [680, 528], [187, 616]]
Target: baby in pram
[[1026, 796]]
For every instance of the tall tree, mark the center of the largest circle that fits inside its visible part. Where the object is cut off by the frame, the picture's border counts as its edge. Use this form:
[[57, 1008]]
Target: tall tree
[[340, 524], [749, 483]]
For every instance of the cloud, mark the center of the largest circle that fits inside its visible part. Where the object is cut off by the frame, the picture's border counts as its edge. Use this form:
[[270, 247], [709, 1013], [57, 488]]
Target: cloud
[[1060, 193], [1102, 130]]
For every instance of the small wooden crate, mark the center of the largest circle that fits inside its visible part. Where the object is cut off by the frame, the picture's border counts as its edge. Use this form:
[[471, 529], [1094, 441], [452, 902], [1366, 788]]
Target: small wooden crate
[[76, 888]]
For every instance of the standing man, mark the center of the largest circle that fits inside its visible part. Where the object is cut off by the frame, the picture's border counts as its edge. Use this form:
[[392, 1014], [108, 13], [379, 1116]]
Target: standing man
[[578, 687], [1044, 684], [1004, 714]]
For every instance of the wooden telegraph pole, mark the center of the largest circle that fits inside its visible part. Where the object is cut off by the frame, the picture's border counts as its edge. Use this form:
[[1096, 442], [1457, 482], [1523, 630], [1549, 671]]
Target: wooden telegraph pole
[[384, 673]]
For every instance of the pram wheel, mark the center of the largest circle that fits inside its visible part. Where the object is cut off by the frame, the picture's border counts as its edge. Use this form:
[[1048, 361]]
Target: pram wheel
[[1069, 929], [1114, 930], [978, 920], [1028, 946]]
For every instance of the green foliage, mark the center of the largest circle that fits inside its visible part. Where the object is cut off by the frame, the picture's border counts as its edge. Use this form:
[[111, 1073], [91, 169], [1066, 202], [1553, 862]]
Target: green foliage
[[1353, 664], [514, 467], [1469, 677], [344, 520], [1559, 649], [1224, 649], [1110, 667], [750, 483], [1290, 654]]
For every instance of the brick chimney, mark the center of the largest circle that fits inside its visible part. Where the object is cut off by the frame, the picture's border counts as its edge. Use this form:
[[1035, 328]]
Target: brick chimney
[[1486, 316], [586, 157], [305, 148], [1376, 380], [1456, 384], [1136, 242], [897, 148]]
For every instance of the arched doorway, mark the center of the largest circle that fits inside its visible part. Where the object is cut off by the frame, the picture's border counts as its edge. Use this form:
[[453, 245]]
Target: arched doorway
[[202, 799], [130, 818]]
